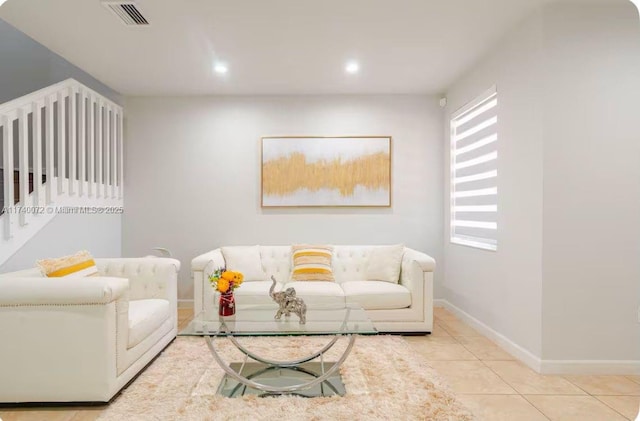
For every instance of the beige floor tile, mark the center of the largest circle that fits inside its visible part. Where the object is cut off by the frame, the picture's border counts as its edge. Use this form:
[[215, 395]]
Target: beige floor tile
[[501, 408], [442, 349], [483, 348], [38, 414], [574, 408], [606, 385], [443, 314], [185, 310], [471, 377], [438, 330], [88, 414], [458, 328], [431, 338], [8, 415], [527, 381], [626, 405], [634, 378]]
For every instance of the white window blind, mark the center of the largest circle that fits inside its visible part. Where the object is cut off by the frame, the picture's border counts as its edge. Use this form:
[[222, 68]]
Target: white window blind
[[474, 172]]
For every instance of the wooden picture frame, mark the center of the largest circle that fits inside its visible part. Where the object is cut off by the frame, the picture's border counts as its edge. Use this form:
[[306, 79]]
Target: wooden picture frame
[[325, 171]]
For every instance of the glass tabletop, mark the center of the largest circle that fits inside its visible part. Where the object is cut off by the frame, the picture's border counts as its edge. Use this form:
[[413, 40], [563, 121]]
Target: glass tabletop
[[259, 321]]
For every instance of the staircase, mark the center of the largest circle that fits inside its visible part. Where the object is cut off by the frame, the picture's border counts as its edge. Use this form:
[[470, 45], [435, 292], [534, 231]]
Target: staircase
[[62, 153]]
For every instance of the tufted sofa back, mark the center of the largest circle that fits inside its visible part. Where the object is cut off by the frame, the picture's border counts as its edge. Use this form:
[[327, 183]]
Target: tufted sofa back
[[348, 262], [144, 274], [276, 261], [147, 275]]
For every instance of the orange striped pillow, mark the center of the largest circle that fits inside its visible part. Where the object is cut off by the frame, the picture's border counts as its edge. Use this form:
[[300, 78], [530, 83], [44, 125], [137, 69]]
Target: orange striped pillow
[[311, 263], [77, 265]]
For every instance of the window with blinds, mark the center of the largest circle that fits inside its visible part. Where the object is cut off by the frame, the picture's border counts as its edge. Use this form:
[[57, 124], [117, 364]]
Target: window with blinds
[[474, 172]]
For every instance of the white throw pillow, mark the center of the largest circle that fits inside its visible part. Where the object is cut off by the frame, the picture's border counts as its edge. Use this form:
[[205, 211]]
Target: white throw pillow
[[245, 259], [384, 263]]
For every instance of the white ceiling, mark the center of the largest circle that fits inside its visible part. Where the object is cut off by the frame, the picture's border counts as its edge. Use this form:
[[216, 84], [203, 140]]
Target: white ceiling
[[272, 46]]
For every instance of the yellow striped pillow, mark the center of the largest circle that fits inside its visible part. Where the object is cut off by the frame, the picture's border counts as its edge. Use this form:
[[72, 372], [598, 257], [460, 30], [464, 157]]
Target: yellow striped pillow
[[77, 265], [311, 263]]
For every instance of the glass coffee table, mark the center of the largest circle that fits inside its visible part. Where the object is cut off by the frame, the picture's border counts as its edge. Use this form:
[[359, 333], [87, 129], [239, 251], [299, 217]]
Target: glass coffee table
[[264, 376]]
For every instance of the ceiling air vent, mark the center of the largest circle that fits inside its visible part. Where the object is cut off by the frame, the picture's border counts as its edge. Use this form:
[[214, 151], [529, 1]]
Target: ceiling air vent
[[127, 11]]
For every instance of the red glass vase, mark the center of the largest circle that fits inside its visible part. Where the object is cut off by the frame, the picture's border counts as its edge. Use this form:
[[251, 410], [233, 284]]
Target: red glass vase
[[227, 304]]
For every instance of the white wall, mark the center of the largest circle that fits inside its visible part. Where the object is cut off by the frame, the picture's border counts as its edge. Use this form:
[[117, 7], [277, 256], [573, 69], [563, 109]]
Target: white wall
[[503, 288], [565, 281], [67, 234], [193, 173], [27, 66], [591, 257]]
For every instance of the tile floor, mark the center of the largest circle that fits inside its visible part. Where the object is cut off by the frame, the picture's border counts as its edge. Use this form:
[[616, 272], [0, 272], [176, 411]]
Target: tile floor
[[487, 379], [496, 387]]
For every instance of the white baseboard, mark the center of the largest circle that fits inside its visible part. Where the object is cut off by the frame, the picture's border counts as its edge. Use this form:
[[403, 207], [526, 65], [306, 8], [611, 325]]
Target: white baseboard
[[439, 302], [607, 367], [185, 303], [505, 343], [620, 367]]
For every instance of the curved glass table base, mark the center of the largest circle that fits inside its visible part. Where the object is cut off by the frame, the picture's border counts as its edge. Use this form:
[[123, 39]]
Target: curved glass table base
[[237, 376], [235, 391], [292, 363], [308, 376]]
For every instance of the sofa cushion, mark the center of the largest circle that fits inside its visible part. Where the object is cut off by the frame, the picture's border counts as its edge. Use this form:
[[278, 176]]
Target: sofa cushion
[[145, 316], [312, 263], [384, 263], [245, 259], [254, 293], [377, 295], [318, 294]]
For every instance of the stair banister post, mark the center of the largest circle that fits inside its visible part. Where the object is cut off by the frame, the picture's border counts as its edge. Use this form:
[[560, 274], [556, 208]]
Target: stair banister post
[[92, 146], [62, 150], [49, 149], [73, 140], [7, 149], [100, 133], [114, 157], [107, 150], [37, 154], [23, 162], [121, 157], [82, 143]]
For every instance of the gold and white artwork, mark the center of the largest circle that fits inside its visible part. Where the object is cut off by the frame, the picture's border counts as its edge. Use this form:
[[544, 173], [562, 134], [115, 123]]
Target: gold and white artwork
[[326, 171]]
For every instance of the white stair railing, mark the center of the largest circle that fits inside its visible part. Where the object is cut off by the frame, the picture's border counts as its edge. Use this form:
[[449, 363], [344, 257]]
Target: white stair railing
[[69, 142]]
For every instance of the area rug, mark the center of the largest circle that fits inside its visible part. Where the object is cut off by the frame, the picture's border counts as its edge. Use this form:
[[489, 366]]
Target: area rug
[[385, 379]]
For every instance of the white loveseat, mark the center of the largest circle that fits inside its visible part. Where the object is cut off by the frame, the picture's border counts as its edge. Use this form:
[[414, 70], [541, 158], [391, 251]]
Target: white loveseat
[[403, 307], [83, 339]]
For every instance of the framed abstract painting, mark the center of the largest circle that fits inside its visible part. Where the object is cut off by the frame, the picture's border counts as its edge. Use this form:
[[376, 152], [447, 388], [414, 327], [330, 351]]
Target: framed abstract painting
[[307, 171]]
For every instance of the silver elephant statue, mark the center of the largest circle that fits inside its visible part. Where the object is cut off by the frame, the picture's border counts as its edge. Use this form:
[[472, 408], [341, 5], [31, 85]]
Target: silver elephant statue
[[288, 303]]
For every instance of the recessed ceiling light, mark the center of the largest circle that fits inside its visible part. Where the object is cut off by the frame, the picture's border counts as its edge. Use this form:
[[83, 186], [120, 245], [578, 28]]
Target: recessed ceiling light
[[220, 68], [352, 67], [2, 2]]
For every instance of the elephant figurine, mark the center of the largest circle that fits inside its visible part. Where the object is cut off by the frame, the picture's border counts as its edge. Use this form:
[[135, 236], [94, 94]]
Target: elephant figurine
[[288, 303]]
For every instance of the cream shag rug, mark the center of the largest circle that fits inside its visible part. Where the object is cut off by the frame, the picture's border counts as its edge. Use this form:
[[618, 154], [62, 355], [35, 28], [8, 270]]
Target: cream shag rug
[[385, 379]]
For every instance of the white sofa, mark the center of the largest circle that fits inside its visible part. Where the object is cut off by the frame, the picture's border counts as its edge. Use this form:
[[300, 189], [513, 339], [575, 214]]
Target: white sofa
[[403, 307], [84, 339]]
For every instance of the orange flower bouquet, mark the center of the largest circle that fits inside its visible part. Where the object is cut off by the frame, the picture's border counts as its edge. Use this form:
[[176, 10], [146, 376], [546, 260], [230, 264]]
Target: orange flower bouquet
[[225, 281]]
